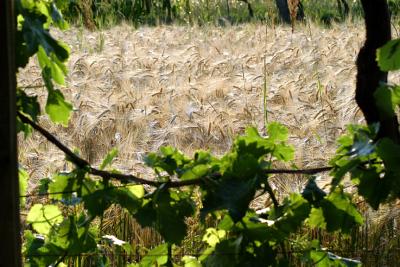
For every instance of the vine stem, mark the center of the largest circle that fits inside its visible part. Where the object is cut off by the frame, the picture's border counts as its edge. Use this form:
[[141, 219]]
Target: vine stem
[[82, 163]]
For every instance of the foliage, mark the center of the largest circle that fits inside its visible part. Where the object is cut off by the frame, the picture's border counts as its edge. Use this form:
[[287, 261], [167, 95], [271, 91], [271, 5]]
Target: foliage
[[68, 226], [105, 13]]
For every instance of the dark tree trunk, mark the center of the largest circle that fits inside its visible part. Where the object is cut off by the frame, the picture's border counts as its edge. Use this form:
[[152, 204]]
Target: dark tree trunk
[[10, 252], [167, 7], [369, 76], [85, 7], [284, 12], [228, 10], [300, 11], [249, 8], [283, 9], [147, 4]]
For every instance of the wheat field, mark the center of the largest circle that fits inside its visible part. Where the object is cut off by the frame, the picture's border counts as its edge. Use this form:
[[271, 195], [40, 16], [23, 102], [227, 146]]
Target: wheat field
[[197, 88]]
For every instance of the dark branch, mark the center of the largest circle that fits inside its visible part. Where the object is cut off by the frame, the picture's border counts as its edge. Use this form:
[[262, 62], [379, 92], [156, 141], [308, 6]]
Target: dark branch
[[125, 178], [369, 76]]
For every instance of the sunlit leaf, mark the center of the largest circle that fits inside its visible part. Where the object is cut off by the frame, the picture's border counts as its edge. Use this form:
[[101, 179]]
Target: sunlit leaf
[[44, 217], [58, 109], [191, 261], [317, 219], [158, 256], [23, 178], [195, 172], [388, 56], [277, 132], [213, 236]]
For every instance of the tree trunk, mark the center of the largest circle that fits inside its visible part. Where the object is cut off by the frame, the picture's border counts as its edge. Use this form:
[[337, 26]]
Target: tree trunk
[[283, 9], [284, 12], [10, 252], [167, 7], [87, 14], [369, 76], [249, 8]]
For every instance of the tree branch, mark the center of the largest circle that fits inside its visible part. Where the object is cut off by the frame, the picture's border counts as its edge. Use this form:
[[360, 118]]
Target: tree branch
[[82, 163]]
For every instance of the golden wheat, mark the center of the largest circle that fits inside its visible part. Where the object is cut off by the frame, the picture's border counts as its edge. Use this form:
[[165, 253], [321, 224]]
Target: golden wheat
[[198, 88]]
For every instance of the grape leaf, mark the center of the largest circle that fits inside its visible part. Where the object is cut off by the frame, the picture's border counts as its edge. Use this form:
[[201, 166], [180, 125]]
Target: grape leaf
[[339, 212], [23, 178], [58, 109], [167, 213], [44, 217], [230, 194], [388, 56], [158, 256], [277, 132]]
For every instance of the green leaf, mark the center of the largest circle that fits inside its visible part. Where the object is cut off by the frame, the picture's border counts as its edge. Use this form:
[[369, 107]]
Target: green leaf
[[226, 223], [28, 104], [317, 219], [294, 211], [37, 252], [313, 193], [339, 212], [23, 127], [320, 259], [283, 152], [342, 166], [137, 190], [129, 198], [156, 257], [56, 68], [169, 159], [36, 35], [383, 98], [241, 166], [44, 217], [252, 143], [277, 132], [372, 187], [390, 154], [232, 195], [213, 236], [166, 213], [195, 172], [74, 235], [57, 17], [226, 253], [58, 109], [125, 198], [191, 261], [62, 186], [388, 56], [257, 231], [109, 158], [44, 185], [97, 202], [23, 178], [70, 187]]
